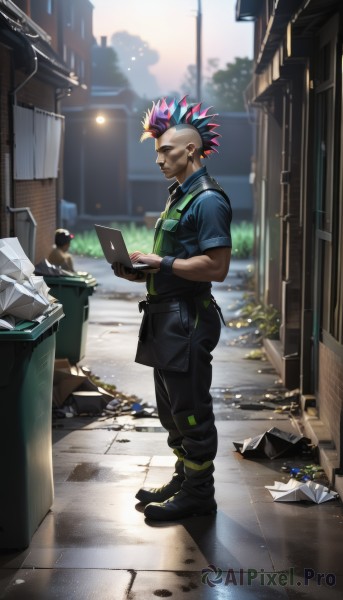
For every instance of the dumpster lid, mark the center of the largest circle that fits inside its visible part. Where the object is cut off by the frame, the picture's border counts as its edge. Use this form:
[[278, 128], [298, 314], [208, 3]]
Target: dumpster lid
[[71, 280], [31, 330]]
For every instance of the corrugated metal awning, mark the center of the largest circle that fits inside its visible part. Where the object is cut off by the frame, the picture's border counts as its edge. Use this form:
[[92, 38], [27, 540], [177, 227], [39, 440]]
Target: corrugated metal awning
[[18, 31]]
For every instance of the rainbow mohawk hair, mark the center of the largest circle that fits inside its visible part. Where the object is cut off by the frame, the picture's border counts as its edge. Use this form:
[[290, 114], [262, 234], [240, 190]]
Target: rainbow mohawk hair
[[163, 116]]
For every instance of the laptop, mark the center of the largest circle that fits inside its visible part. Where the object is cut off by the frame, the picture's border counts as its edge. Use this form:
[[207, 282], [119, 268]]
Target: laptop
[[114, 248]]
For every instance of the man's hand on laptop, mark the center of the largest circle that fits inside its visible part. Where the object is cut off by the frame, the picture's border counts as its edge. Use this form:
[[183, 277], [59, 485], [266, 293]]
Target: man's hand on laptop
[[153, 260]]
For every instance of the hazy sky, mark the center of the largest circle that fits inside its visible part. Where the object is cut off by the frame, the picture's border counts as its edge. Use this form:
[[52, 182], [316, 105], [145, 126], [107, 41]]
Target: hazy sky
[[169, 27]]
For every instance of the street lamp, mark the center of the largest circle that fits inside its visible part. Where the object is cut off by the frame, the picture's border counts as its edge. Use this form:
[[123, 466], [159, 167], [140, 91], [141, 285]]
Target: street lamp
[[198, 51], [100, 119]]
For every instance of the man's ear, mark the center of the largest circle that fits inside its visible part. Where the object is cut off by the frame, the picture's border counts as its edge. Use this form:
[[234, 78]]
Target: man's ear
[[191, 149]]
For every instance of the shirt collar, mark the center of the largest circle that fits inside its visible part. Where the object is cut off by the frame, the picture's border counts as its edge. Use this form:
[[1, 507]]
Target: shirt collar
[[190, 180], [179, 190]]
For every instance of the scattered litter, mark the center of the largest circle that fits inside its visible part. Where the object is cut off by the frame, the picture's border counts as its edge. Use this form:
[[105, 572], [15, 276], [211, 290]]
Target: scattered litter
[[64, 411], [250, 339], [90, 402], [112, 405], [283, 396], [312, 411], [251, 398], [144, 411], [295, 491], [311, 472], [77, 392], [251, 406], [74, 392], [272, 444], [256, 354]]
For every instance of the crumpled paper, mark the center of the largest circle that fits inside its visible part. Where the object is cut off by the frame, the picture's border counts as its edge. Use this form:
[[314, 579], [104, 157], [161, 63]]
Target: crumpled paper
[[7, 322], [22, 294], [13, 260], [272, 444], [22, 300], [46, 268], [295, 491]]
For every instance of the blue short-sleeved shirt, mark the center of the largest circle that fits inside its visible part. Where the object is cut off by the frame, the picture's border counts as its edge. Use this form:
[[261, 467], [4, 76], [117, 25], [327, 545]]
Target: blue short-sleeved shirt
[[205, 224]]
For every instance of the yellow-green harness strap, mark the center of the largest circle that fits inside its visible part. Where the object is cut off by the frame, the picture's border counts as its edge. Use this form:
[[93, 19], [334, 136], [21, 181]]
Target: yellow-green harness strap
[[174, 213]]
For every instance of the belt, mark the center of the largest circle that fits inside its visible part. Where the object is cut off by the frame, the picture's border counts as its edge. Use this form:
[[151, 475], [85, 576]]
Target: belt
[[154, 304], [186, 297]]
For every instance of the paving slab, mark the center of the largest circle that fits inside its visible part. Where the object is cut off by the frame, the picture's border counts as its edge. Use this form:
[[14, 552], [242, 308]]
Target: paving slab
[[95, 541]]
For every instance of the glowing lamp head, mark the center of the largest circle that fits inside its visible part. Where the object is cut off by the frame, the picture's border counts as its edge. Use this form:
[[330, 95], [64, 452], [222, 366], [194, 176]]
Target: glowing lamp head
[[100, 119]]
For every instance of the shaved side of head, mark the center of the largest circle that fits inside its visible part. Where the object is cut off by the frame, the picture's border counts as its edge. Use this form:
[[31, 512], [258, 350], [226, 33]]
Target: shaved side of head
[[189, 135]]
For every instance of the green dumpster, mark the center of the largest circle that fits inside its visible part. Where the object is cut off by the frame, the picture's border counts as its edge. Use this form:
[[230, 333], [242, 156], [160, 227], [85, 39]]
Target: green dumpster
[[27, 355], [73, 293]]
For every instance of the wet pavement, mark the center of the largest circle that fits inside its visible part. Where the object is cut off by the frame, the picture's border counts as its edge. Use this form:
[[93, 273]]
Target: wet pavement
[[95, 541]]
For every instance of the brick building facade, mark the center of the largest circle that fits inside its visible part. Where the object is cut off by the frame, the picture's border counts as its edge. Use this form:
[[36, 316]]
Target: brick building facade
[[33, 78], [295, 97]]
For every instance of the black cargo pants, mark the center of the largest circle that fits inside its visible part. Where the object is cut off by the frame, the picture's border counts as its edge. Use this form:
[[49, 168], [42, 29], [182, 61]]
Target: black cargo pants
[[184, 403]]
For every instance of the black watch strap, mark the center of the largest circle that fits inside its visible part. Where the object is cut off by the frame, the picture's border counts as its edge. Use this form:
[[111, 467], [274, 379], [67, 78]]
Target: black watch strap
[[166, 265]]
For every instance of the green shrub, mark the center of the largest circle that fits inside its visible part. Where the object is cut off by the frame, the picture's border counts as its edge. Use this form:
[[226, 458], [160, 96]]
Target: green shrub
[[242, 239], [138, 237]]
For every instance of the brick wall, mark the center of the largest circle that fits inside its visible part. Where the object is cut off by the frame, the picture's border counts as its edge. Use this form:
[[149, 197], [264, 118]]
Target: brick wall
[[40, 196], [37, 93], [330, 391]]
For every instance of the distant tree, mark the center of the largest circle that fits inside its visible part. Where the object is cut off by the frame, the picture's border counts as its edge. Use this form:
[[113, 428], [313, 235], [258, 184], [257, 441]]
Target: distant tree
[[188, 86], [135, 58], [105, 68], [227, 85]]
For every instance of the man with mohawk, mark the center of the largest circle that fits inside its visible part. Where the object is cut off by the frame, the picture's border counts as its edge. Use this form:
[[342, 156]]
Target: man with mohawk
[[181, 323]]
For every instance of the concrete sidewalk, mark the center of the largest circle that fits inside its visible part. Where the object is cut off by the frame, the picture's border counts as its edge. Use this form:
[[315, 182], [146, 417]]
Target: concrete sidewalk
[[95, 542]]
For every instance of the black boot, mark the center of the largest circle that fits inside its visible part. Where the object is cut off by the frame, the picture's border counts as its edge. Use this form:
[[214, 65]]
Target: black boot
[[180, 506], [196, 496], [147, 495]]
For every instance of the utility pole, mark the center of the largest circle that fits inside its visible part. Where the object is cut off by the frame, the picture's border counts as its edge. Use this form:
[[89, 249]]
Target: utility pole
[[198, 53]]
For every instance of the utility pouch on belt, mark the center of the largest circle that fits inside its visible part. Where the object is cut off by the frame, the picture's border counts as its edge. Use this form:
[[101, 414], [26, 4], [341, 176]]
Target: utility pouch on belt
[[164, 336]]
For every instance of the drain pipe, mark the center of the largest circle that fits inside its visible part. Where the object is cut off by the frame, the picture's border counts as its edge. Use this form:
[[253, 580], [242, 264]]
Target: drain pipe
[[35, 69], [30, 218], [32, 229]]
